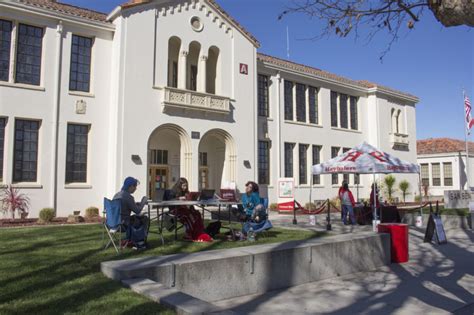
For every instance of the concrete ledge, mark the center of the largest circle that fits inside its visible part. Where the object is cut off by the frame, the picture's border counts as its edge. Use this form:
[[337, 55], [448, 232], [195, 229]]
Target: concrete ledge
[[221, 274], [449, 221]]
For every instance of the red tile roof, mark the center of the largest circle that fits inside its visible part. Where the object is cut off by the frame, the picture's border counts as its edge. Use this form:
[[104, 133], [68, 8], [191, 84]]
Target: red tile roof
[[442, 145], [67, 9]]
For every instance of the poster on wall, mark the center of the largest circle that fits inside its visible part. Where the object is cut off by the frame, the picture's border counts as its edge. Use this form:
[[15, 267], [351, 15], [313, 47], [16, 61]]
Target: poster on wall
[[286, 194]]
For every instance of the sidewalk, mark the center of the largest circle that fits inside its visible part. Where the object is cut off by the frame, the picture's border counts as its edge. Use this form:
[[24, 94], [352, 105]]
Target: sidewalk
[[438, 279]]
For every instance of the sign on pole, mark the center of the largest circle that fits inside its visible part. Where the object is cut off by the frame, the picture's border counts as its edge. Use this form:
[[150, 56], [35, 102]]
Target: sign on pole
[[286, 194]]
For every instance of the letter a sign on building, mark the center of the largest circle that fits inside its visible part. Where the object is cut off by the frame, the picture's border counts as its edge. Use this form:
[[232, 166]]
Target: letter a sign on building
[[244, 68]]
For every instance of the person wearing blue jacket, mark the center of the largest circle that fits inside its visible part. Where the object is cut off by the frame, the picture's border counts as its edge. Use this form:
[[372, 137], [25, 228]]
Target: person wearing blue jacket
[[251, 201]]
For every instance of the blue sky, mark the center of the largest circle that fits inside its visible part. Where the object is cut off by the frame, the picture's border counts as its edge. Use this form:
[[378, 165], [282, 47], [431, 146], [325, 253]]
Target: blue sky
[[430, 61]]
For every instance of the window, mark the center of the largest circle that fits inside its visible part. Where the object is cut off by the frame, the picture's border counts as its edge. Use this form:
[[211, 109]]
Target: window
[[303, 175], [313, 105], [343, 110], [28, 58], [76, 153], [288, 100], [289, 160], [263, 95], [425, 175], [356, 179], [194, 73], [354, 113], [264, 162], [25, 160], [174, 77], [333, 109], [345, 177], [300, 102], [159, 157], [80, 72], [334, 177], [436, 172], [5, 44], [448, 174], [316, 160], [3, 122], [202, 158]]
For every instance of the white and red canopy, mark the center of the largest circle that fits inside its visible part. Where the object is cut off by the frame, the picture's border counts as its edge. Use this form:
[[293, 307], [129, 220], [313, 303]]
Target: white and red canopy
[[365, 159]]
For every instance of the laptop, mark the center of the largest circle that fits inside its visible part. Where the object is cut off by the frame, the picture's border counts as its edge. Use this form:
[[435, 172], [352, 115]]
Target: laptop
[[192, 196], [207, 194], [159, 195]]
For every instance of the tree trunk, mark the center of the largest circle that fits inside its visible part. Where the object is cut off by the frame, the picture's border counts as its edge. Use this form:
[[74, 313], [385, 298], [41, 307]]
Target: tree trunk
[[453, 12]]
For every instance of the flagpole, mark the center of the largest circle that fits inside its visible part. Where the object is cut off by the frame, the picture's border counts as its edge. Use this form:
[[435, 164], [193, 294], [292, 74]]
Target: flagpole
[[466, 133]]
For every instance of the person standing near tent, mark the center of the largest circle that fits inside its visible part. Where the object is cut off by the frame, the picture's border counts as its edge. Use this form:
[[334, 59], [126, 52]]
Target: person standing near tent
[[347, 204]]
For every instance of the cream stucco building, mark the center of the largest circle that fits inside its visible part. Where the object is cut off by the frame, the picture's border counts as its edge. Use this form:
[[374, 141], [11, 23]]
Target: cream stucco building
[[165, 89]]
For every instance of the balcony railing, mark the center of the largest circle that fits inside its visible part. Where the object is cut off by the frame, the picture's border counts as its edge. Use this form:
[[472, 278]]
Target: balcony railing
[[399, 139], [186, 99]]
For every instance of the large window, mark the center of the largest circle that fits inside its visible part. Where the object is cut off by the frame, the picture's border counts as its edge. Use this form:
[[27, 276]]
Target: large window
[[448, 174], [313, 105], [80, 73], [159, 157], [262, 95], [334, 177], [202, 158], [194, 74], [343, 110], [76, 153], [3, 122], [356, 179], [316, 160], [333, 109], [436, 173], [288, 100], [345, 177], [264, 162], [5, 44], [425, 174], [300, 102], [28, 58], [25, 161], [354, 113], [289, 160], [303, 164]]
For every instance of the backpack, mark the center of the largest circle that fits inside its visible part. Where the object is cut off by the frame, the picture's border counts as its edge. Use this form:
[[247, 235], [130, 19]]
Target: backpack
[[213, 228]]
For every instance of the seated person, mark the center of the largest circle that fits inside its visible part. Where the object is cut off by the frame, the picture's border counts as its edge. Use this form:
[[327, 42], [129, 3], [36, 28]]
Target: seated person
[[131, 222], [252, 208], [188, 216]]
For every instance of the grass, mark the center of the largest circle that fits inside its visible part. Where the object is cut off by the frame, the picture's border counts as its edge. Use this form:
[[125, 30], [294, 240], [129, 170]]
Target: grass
[[56, 269]]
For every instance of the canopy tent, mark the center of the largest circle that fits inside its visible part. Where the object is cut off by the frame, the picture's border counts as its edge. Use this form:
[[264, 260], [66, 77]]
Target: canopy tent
[[365, 159]]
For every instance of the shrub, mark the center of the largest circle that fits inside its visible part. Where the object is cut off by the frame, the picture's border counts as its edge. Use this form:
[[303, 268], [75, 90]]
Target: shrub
[[404, 186], [336, 202], [310, 206], [46, 215], [389, 182], [273, 206], [12, 200], [92, 212]]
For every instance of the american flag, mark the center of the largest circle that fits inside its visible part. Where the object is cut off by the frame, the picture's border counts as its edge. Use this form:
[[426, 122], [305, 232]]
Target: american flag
[[469, 120]]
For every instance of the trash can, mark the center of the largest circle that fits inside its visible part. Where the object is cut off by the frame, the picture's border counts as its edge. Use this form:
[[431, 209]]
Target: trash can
[[398, 240]]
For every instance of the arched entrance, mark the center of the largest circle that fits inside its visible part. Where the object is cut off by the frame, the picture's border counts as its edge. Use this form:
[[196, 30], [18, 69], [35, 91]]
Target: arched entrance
[[169, 157], [217, 160]]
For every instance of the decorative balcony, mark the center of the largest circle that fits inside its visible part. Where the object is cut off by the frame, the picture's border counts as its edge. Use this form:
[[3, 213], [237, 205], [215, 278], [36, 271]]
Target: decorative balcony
[[398, 139], [186, 99]]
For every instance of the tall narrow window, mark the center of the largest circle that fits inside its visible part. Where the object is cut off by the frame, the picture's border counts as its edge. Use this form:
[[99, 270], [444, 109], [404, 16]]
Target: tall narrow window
[[425, 174], [313, 105], [289, 159], [174, 75], [159, 157], [262, 95], [5, 44], [303, 164], [356, 179], [76, 153], [333, 109], [202, 159], [354, 113], [3, 122], [288, 100], [448, 174], [334, 177], [194, 74], [300, 102], [25, 160], [436, 173], [28, 58], [80, 73], [343, 110], [316, 160], [264, 162], [345, 177]]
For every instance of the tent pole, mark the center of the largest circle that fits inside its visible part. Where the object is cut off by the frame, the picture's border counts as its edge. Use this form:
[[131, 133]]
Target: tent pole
[[374, 194], [311, 190], [421, 197]]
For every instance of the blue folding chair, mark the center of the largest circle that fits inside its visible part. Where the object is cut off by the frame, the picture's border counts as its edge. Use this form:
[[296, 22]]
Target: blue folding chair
[[113, 223], [259, 227]]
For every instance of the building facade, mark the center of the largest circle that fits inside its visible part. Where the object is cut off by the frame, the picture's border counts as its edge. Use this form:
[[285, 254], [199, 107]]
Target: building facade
[[160, 90]]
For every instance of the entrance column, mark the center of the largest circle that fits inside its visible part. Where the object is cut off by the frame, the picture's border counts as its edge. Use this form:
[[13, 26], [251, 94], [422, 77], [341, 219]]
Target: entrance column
[[182, 69]]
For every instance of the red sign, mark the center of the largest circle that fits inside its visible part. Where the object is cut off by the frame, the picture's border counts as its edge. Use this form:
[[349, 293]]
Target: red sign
[[286, 206], [244, 68]]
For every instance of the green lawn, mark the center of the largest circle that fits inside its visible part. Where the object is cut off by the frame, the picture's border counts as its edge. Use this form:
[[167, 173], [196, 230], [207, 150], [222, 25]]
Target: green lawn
[[56, 269]]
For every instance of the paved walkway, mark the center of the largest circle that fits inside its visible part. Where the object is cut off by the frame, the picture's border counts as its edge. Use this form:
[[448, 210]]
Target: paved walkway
[[438, 279]]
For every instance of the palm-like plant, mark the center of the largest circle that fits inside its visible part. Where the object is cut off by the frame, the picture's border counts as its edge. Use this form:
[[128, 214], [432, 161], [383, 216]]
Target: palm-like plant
[[13, 200], [389, 182], [404, 186]]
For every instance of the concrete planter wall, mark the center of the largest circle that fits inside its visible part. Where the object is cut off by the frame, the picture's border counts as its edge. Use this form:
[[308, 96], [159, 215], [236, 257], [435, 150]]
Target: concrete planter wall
[[449, 221]]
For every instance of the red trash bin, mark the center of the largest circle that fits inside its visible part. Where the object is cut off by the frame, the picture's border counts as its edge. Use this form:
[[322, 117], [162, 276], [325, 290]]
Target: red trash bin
[[398, 240]]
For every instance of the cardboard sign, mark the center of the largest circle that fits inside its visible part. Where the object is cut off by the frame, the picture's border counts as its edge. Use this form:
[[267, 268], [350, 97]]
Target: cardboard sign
[[435, 228]]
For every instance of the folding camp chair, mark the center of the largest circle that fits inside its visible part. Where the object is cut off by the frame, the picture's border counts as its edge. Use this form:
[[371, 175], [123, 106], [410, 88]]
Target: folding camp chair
[[113, 224]]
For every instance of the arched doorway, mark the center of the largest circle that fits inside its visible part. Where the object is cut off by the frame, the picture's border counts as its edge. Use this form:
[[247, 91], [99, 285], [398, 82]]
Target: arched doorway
[[217, 160], [169, 157]]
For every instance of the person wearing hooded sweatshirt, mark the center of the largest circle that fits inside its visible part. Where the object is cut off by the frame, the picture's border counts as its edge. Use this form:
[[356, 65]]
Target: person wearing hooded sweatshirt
[[129, 206], [347, 203]]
